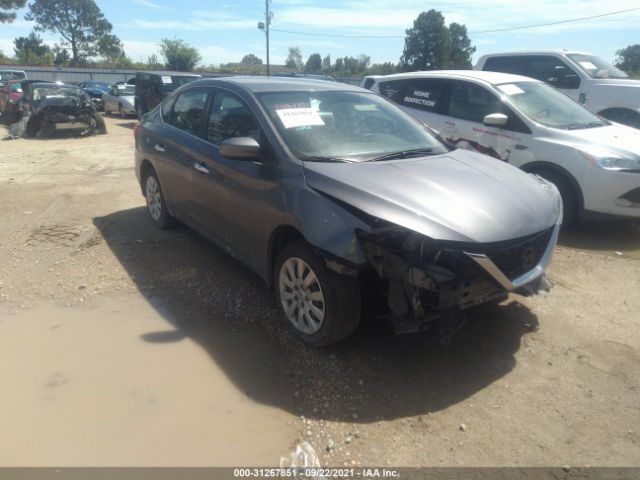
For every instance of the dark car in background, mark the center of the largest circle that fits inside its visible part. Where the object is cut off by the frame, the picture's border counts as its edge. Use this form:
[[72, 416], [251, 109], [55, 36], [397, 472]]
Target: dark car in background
[[49, 108], [332, 193], [153, 87]]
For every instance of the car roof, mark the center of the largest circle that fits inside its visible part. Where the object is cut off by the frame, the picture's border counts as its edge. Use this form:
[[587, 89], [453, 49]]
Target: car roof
[[535, 52], [257, 84], [493, 78], [171, 74]]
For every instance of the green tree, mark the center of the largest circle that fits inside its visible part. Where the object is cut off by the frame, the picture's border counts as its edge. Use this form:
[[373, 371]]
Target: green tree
[[153, 62], [31, 50], [461, 48], [61, 55], [110, 47], [6, 7], [251, 59], [427, 45], [386, 68], [179, 55], [314, 64], [81, 23], [294, 59], [628, 59], [326, 65]]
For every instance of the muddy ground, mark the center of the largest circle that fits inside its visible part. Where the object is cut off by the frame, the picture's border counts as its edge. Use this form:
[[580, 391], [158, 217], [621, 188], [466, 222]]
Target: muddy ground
[[125, 345]]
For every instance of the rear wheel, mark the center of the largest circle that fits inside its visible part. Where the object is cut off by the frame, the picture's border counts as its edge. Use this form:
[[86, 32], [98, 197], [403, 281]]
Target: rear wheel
[[121, 112], [156, 204], [320, 306], [570, 203]]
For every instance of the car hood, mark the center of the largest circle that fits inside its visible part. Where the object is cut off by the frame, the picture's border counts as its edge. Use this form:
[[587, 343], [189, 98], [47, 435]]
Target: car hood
[[458, 196], [614, 138], [618, 82]]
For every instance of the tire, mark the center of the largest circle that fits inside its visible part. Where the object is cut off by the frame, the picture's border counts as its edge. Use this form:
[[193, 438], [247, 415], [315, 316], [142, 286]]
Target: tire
[[156, 205], [121, 112], [570, 203], [336, 296]]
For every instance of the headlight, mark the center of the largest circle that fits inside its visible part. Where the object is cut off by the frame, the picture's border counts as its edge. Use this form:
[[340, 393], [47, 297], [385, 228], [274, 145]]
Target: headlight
[[610, 160]]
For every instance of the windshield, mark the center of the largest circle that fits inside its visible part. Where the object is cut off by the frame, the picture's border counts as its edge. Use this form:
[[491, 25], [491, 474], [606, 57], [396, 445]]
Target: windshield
[[596, 67], [171, 82], [546, 105], [104, 86], [54, 91], [346, 126]]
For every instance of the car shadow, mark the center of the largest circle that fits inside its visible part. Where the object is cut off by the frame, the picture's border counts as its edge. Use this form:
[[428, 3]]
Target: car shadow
[[125, 123], [610, 236], [207, 296]]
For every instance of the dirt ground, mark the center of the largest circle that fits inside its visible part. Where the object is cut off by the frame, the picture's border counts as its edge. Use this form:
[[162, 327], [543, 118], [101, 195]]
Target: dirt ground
[[124, 345]]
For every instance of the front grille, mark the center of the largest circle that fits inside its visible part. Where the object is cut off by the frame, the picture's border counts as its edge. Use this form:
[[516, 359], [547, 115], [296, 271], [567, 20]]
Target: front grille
[[512, 257]]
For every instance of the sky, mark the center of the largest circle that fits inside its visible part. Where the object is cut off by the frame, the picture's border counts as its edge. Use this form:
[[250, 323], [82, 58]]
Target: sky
[[225, 31]]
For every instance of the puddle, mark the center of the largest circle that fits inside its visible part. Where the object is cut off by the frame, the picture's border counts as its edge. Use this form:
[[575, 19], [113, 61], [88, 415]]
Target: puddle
[[118, 385]]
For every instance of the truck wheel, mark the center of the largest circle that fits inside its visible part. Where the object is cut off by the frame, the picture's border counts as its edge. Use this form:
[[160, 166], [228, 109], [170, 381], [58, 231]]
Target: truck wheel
[[320, 306]]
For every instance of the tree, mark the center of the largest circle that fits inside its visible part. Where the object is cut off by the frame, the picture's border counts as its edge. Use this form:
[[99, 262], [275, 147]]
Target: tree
[[326, 64], [294, 60], [314, 64], [386, 68], [179, 55], [427, 45], [110, 47], [31, 50], [79, 22], [61, 55], [461, 48], [153, 62], [628, 59], [6, 15], [251, 59]]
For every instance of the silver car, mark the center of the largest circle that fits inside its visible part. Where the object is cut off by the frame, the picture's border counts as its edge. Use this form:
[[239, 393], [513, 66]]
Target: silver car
[[333, 195], [120, 99]]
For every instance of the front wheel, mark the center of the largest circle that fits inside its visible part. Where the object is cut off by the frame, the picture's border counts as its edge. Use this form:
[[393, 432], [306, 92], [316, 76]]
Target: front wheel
[[320, 306], [570, 203], [156, 204]]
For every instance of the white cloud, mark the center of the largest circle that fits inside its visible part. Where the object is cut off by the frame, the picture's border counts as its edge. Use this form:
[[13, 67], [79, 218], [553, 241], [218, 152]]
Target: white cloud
[[153, 5]]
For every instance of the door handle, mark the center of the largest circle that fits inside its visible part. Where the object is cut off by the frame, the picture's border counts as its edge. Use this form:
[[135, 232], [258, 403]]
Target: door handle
[[159, 148], [201, 168]]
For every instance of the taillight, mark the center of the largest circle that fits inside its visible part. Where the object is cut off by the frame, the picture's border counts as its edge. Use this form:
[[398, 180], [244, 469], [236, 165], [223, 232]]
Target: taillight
[[136, 129]]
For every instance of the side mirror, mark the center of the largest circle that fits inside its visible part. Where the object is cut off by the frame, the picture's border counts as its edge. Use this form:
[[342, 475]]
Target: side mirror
[[495, 120], [240, 148]]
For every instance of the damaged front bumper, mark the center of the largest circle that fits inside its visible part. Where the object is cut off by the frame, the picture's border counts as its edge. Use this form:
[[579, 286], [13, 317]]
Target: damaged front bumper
[[430, 283]]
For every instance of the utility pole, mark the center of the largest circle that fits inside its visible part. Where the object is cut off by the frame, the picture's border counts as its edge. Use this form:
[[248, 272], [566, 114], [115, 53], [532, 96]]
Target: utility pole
[[268, 15]]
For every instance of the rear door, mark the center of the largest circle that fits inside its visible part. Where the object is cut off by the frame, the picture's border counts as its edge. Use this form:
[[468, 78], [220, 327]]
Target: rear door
[[177, 146]]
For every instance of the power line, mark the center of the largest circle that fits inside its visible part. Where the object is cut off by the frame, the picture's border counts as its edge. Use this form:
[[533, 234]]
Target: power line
[[509, 29]]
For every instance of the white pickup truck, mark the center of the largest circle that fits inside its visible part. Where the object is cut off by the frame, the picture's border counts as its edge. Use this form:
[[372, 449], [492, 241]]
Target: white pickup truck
[[588, 79]]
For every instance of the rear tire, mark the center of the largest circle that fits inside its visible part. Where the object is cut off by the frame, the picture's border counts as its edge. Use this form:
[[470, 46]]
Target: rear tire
[[570, 203], [156, 205], [320, 306]]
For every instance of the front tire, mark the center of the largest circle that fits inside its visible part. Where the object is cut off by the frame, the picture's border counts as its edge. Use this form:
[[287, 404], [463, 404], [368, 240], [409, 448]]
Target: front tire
[[570, 203], [320, 306], [156, 205]]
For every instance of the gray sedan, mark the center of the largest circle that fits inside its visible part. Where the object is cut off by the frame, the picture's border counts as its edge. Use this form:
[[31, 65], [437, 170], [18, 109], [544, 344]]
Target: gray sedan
[[339, 200], [120, 98]]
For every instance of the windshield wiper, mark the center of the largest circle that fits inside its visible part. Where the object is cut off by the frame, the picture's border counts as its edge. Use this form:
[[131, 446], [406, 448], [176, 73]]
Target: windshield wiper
[[318, 158], [579, 126], [414, 152]]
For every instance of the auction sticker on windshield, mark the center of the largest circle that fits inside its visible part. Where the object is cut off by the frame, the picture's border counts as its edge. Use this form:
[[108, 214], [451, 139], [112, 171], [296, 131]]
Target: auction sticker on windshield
[[166, 79], [299, 117], [510, 89]]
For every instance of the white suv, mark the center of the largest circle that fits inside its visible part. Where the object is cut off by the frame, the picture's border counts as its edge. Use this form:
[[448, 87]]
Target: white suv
[[594, 163], [586, 78]]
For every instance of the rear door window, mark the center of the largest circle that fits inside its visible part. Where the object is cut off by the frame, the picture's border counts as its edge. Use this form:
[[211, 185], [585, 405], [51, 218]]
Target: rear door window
[[188, 111], [424, 94]]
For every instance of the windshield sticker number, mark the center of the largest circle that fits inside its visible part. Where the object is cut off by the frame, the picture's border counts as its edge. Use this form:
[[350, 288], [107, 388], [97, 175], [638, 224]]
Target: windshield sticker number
[[510, 89], [299, 117], [588, 66], [166, 79]]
